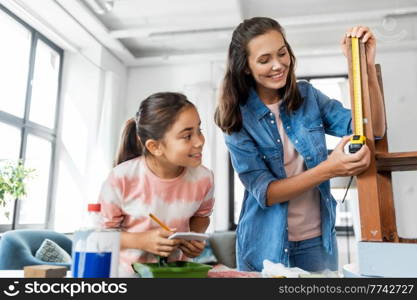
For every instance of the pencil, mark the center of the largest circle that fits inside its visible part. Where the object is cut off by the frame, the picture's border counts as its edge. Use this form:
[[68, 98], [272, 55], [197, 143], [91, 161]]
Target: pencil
[[160, 222]]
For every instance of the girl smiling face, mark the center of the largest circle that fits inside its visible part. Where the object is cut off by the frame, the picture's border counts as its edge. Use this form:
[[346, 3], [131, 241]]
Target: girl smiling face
[[269, 61], [182, 145]]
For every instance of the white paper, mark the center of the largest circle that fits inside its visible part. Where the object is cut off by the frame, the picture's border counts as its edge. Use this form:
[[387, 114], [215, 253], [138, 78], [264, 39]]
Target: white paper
[[189, 236], [277, 269]]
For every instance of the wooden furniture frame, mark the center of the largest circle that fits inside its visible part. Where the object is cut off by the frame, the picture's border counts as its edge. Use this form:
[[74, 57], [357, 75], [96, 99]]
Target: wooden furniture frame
[[376, 199]]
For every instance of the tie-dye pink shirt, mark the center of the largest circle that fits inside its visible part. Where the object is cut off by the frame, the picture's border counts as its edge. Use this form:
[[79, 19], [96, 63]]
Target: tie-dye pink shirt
[[132, 191]]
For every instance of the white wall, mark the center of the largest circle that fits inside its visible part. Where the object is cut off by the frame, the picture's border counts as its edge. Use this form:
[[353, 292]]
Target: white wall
[[92, 105], [400, 88], [144, 81]]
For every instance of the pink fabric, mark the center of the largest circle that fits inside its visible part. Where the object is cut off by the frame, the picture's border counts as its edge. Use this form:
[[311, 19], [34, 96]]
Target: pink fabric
[[132, 191], [222, 271], [304, 210]]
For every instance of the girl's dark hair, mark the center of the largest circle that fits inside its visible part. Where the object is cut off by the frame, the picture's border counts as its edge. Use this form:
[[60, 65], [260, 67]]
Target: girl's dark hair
[[236, 83], [155, 116]]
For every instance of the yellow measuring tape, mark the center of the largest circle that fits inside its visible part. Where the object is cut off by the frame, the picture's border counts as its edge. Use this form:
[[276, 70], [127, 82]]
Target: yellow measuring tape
[[358, 139]]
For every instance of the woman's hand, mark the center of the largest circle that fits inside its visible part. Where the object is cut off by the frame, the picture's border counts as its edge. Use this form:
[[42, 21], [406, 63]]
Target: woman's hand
[[156, 241], [366, 36], [192, 248], [341, 164]]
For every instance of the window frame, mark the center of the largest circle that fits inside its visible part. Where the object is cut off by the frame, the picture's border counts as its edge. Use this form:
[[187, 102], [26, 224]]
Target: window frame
[[28, 127]]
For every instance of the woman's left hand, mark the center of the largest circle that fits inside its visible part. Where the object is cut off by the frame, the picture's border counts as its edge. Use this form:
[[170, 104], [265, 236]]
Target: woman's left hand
[[192, 248], [366, 36]]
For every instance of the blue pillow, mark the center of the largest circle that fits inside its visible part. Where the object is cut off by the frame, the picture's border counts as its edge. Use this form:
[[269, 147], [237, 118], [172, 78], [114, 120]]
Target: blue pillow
[[50, 251]]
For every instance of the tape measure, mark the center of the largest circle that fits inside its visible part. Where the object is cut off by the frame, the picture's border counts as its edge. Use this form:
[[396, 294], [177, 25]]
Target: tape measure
[[358, 139]]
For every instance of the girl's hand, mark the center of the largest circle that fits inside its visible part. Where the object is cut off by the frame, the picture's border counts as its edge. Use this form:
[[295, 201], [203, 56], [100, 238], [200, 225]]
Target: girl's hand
[[341, 164], [366, 36], [156, 241], [192, 248]]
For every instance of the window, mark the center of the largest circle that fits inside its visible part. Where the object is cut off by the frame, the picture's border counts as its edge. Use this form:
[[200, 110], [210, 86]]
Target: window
[[30, 77], [335, 87]]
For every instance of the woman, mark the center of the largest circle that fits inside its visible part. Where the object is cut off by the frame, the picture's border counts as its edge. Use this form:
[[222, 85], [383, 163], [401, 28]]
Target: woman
[[275, 132]]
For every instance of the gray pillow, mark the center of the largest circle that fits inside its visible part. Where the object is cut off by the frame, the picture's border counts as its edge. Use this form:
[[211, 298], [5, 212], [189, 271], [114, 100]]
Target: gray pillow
[[50, 251], [224, 249]]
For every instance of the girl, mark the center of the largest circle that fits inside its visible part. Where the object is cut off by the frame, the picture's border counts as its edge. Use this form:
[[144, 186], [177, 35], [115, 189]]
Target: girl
[[158, 170], [275, 135]]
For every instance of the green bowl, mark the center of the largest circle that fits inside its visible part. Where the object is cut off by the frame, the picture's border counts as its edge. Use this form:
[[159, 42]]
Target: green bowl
[[177, 269]]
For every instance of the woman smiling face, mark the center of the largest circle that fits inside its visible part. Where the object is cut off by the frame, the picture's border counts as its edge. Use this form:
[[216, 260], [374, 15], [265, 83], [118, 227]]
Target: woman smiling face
[[269, 61]]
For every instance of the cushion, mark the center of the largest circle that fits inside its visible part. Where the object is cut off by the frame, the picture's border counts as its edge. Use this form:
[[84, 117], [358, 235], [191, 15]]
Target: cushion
[[50, 251], [223, 246]]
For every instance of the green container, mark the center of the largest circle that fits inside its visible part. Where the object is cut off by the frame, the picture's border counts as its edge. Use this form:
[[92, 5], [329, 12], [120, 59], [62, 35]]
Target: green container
[[178, 269]]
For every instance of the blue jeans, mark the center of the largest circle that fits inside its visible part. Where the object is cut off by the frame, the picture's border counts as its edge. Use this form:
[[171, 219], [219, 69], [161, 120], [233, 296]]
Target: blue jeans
[[311, 256]]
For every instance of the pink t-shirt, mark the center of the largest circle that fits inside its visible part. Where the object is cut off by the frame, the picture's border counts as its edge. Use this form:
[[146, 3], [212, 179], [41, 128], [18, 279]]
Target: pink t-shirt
[[132, 191], [304, 210]]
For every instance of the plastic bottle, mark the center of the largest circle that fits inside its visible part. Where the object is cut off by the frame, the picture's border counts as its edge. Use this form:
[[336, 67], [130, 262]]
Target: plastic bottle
[[96, 250]]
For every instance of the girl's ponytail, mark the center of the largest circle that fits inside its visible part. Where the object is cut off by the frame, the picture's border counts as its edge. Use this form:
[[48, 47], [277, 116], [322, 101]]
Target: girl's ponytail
[[130, 146]]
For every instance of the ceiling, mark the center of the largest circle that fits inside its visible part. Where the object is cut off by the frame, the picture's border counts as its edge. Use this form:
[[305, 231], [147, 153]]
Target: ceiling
[[138, 32]]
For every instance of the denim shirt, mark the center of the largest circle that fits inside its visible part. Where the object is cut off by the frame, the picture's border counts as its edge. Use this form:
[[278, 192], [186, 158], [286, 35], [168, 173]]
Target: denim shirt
[[257, 156]]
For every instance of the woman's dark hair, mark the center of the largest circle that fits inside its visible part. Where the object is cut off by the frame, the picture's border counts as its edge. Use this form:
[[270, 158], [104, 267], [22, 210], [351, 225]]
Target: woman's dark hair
[[237, 83], [155, 116]]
